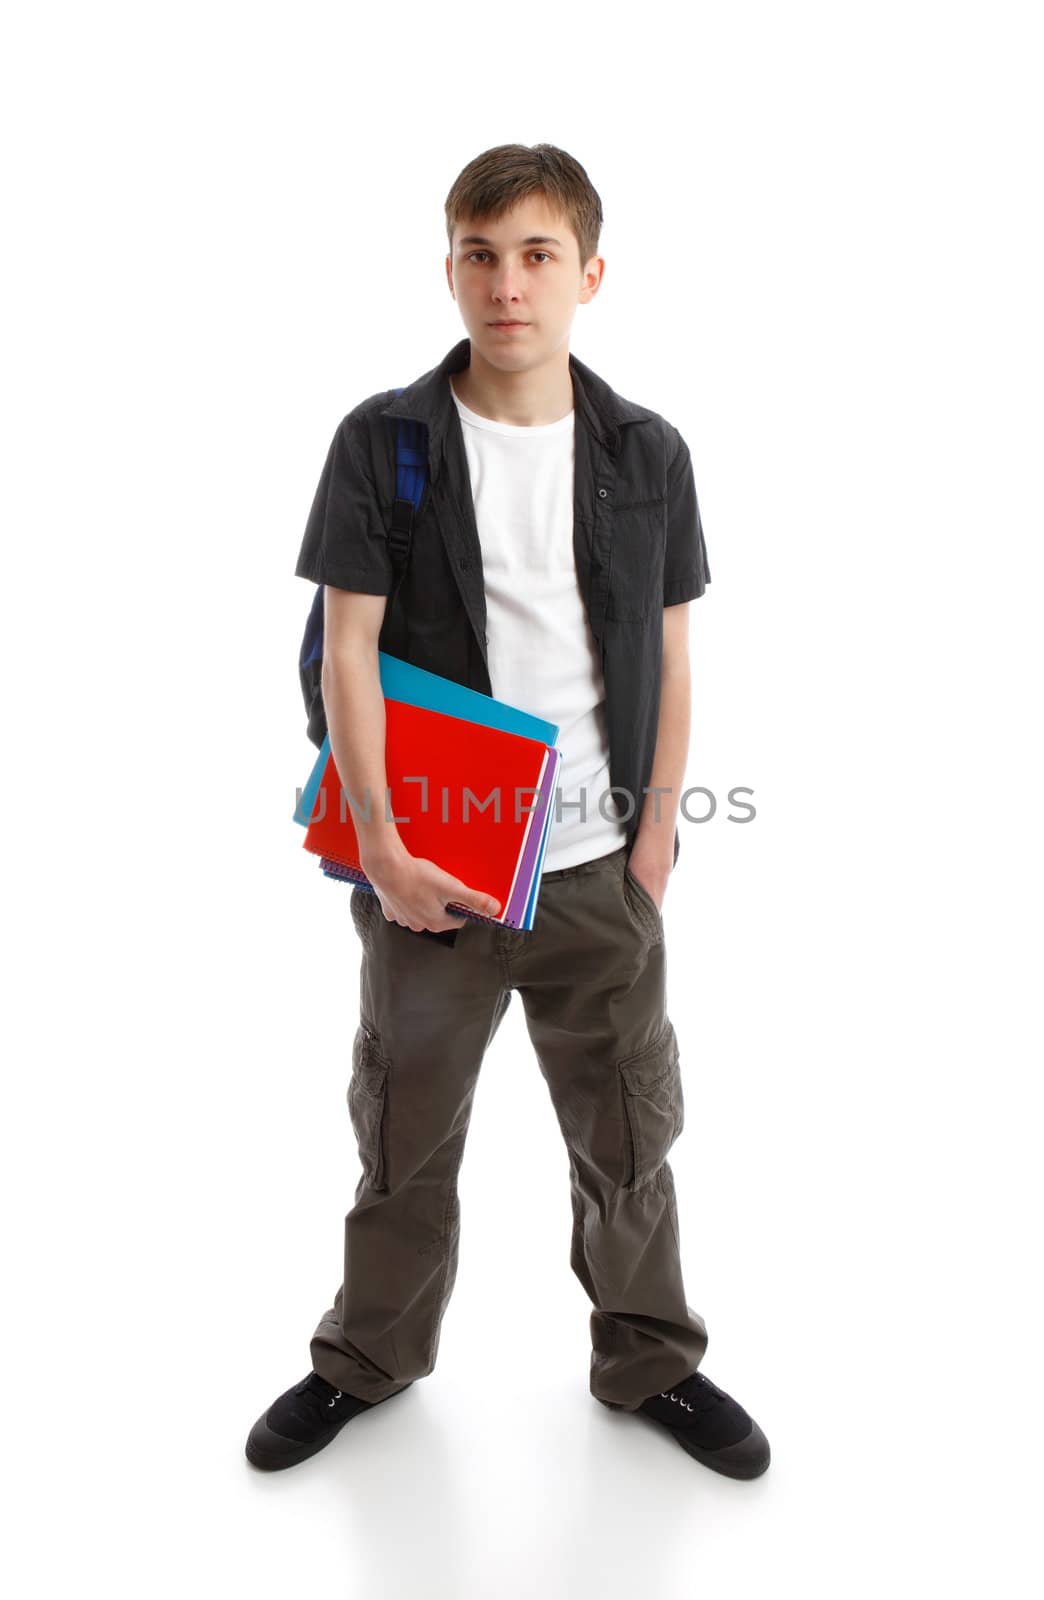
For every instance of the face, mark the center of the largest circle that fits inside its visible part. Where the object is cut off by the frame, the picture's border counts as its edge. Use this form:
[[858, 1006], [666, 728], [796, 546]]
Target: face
[[525, 267]]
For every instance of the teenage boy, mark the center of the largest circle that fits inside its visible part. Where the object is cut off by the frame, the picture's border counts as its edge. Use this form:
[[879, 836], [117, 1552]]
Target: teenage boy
[[552, 561]]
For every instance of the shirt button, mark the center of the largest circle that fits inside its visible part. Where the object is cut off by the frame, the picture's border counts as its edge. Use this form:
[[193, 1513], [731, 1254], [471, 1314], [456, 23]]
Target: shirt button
[[463, 563], [602, 493]]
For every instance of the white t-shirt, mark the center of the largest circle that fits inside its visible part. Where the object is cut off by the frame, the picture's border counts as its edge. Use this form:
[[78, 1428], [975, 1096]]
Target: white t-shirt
[[542, 654]]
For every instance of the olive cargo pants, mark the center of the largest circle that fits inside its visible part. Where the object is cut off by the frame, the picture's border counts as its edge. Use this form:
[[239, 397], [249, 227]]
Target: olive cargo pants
[[591, 974]]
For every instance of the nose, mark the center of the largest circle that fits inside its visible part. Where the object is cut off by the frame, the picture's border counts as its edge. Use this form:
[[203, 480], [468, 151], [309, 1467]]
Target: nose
[[506, 285]]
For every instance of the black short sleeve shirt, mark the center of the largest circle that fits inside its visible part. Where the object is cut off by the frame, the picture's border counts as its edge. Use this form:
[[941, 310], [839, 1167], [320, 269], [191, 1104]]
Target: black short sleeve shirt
[[346, 541], [635, 507], [686, 572]]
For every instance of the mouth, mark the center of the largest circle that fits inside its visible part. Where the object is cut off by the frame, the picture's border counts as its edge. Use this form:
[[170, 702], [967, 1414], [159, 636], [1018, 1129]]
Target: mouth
[[506, 325]]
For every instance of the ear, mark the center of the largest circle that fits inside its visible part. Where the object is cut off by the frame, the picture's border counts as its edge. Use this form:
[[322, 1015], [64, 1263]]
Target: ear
[[449, 275], [594, 271]]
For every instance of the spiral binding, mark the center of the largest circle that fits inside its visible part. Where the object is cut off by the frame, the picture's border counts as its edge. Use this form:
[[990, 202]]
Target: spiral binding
[[346, 874]]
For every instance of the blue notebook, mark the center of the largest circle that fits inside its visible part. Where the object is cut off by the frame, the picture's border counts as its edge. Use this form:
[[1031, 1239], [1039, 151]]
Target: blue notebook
[[400, 680]]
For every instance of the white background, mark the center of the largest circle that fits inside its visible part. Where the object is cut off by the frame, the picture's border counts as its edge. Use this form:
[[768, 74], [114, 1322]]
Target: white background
[[823, 264]]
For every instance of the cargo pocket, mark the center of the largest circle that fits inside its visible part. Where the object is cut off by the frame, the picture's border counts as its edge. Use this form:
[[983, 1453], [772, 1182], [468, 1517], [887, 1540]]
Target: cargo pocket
[[653, 1102], [367, 1091]]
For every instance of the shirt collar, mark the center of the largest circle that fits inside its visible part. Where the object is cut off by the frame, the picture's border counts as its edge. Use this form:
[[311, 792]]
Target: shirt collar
[[429, 399]]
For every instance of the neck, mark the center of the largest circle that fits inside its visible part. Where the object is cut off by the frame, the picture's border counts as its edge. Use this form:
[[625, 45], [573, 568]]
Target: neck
[[527, 399]]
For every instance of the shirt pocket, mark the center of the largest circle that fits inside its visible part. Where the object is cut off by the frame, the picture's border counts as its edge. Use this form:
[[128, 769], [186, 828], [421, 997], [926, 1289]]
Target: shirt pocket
[[636, 560]]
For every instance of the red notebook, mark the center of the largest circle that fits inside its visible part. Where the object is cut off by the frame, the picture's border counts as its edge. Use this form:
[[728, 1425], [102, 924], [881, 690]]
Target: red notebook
[[455, 756]]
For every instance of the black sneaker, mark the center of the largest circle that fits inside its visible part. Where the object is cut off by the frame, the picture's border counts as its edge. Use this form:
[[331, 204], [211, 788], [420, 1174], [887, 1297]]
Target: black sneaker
[[301, 1422], [711, 1426]]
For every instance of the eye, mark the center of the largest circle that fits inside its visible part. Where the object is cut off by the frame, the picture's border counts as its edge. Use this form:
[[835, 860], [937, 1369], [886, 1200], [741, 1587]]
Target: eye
[[474, 253]]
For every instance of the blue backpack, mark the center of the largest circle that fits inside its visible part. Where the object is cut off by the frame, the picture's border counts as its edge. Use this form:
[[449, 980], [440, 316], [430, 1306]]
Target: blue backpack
[[411, 471]]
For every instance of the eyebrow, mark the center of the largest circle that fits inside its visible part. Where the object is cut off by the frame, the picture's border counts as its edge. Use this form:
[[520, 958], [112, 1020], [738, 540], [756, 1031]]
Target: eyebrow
[[534, 238]]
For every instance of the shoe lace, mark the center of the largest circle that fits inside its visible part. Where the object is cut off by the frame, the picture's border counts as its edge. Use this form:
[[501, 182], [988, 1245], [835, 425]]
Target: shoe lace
[[696, 1393], [325, 1394]]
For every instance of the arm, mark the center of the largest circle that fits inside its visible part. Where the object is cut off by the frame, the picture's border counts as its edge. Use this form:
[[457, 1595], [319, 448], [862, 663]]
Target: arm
[[355, 718], [652, 854], [412, 890]]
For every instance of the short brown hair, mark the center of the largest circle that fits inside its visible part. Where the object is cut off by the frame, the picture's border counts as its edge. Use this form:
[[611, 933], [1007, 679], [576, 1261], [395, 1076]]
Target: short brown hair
[[499, 178]]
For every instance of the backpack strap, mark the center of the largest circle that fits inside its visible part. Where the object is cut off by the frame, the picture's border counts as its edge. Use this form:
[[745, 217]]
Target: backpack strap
[[411, 475], [411, 472]]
